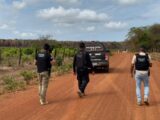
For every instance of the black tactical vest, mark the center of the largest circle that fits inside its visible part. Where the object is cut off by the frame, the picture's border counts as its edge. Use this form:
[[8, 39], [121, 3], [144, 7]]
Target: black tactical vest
[[43, 61], [81, 59], [142, 62]]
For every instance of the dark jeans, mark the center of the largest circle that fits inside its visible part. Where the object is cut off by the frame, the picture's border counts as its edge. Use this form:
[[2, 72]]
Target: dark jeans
[[49, 72], [83, 78]]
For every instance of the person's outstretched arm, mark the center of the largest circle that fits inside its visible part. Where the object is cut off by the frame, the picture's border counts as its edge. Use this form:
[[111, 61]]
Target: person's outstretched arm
[[132, 69], [133, 65], [150, 61]]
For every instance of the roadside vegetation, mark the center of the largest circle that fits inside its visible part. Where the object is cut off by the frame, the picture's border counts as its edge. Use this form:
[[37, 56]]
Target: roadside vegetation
[[147, 36], [11, 84], [17, 68]]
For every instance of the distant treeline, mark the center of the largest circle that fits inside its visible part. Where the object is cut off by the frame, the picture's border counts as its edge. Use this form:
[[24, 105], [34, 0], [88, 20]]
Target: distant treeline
[[148, 37], [26, 43], [54, 43]]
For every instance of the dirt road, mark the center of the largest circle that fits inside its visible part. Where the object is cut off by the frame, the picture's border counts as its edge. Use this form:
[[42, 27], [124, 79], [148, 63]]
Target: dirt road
[[110, 96]]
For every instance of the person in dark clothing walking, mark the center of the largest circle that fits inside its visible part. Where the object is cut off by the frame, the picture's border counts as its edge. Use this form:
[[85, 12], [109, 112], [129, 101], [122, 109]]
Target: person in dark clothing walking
[[43, 63], [81, 64]]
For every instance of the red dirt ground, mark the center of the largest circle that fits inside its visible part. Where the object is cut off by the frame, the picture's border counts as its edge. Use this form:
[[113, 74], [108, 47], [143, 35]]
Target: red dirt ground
[[110, 96]]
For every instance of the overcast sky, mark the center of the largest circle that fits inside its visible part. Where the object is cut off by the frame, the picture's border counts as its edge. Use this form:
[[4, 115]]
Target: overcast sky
[[107, 20]]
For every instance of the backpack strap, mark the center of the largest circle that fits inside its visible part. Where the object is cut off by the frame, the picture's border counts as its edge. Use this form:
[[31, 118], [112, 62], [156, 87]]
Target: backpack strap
[[137, 54], [147, 55]]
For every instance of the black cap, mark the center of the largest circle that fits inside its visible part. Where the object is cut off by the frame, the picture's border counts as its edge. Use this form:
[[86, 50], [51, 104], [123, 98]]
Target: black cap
[[46, 46], [142, 48], [82, 45]]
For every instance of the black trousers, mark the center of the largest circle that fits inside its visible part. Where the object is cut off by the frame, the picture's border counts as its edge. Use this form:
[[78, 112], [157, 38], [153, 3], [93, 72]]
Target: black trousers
[[49, 72], [83, 79]]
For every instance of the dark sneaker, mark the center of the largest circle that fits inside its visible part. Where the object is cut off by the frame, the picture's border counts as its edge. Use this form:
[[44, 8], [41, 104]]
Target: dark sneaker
[[83, 94], [146, 101], [80, 94]]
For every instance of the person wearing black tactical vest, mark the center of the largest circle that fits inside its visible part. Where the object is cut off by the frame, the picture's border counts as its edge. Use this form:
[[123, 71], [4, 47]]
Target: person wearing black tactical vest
[[43, 63], [141, 63], [81, 64]]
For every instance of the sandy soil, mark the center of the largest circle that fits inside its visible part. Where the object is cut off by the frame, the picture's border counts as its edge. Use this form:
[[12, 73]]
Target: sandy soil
[[110, 96]]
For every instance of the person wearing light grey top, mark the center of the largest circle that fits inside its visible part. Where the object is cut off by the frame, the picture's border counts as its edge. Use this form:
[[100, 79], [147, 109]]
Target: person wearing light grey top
[[140, 70]]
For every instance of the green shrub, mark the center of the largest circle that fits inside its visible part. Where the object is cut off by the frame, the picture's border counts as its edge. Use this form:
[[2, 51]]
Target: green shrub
[[10, 52], [28, 51], [28, 76], [60, 70], [27, 58], [10, 84], [59, 61], [34, 74]]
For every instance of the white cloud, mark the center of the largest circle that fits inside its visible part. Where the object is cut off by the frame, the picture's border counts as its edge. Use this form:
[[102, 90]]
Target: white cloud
[[24, 34], [65, 24], [4, 26], [90, 15], [19, 5], [115, 25], [61, 15], [90, 28], [68, 1], [7, 25], [129, 2], [58, 32], [34, 2]]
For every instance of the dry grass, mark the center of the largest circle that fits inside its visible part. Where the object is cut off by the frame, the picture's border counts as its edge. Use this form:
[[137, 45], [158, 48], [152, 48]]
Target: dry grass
[[155, 56]]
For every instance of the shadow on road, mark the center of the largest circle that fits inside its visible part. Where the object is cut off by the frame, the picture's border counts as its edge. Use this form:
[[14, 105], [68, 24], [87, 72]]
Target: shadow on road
[[154, 103], [111, 70], [99, 94], [76, 98]]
